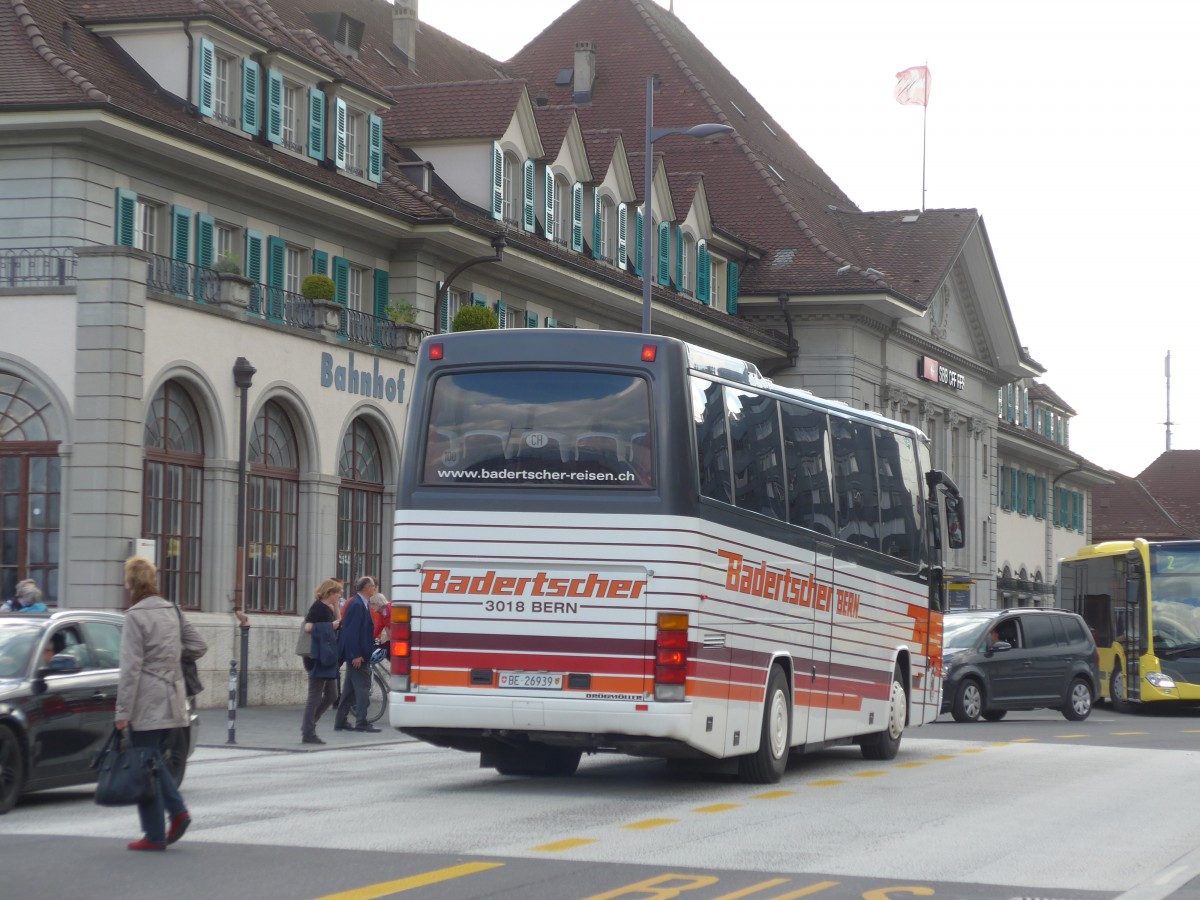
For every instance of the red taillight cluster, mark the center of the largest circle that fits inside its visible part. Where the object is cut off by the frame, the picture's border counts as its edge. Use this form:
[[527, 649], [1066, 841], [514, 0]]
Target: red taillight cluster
[[671, 656], [400, 632]]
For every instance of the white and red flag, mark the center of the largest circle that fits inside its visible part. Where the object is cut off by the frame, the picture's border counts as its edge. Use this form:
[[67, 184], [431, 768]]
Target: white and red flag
[[912, 86]]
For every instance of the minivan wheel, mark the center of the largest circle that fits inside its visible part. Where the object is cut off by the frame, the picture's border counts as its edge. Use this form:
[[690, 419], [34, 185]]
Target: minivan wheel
[[1079, 701], [968, 702]]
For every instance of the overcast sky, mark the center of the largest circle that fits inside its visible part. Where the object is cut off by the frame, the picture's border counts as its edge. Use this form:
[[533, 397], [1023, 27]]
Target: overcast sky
[[1070, 125]]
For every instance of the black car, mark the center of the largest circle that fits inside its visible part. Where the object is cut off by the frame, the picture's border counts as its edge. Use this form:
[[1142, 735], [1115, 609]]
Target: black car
[[997, 660], [58, 696]]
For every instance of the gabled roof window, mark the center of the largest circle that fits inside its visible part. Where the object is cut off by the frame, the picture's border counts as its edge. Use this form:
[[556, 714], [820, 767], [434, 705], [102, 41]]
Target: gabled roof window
[[345, 32]]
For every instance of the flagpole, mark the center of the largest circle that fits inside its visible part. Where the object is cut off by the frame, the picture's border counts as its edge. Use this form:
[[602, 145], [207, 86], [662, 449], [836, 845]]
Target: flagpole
[[924, 130]]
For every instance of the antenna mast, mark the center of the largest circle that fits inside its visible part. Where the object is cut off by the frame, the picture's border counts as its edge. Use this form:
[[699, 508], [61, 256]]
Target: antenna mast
[[1168, 422]]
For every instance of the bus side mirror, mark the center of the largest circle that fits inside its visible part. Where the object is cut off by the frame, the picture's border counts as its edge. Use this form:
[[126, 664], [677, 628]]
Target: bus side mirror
[[955, 538]]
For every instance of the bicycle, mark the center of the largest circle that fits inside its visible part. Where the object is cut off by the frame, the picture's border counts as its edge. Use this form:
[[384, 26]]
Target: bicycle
[[377, 695]]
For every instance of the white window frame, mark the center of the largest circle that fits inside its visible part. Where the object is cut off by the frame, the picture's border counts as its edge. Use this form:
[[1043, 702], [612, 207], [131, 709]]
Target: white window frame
[[355, 278], [293, 262], [146, 225], [293, 124], [688, 261], [354, 148], [513, 198], [608, 211], [563, 200]]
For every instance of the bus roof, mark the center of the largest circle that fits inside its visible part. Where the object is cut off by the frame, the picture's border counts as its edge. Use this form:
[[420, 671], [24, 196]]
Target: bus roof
[[584, 344], [1120, 548]]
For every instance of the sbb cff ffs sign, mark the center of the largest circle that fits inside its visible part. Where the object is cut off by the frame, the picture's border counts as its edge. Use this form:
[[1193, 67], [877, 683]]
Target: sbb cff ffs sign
[[929, 369]]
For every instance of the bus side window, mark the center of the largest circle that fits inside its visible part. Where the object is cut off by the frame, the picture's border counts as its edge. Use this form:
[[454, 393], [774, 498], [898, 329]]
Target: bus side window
[[806, 456], [712, 448]]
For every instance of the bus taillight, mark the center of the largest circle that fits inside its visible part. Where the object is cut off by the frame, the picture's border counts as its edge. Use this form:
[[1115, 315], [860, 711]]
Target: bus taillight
[[400, 633], [671, 657]]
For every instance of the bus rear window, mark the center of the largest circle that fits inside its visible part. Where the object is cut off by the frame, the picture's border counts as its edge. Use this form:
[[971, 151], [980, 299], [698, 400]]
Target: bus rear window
[[539, 428]]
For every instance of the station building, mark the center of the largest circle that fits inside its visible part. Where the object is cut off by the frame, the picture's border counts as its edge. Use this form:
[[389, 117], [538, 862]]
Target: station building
[[171, 172]]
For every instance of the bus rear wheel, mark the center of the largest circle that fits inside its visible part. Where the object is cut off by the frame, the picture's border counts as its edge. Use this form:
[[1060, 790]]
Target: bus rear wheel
[[886, 744], [1116, 690], [767, 764], [539, 760]]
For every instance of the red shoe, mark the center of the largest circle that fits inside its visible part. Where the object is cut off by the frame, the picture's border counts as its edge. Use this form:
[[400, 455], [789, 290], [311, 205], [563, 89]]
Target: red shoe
[[144, 844], [179, 824]]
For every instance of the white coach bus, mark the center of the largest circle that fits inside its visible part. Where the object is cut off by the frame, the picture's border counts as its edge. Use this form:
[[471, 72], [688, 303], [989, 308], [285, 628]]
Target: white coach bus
[[617, 542]]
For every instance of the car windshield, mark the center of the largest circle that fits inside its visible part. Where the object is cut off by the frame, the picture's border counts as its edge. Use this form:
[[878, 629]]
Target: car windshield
[[16, 643], [959, 632]]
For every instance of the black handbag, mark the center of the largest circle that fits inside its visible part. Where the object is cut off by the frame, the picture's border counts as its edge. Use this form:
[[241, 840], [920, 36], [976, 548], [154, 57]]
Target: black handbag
[[125, 774], [191, 672]]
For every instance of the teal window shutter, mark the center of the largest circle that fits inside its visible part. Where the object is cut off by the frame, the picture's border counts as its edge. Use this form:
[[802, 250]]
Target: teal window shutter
[[577, 218], [548, 221], [622, 235], [1042, 494], [206, 83], [502, 313], [529, 195], [381, 294], [443, 324], [703, 272], [637, 252], [126, 217], [375, 149], [276, 272], [339, 128], [341, 280], [679, 285], [551, 323], [597, 213], [316, 124], [497, 181], [531, 320], [276, 261], [478, 300], [181, 242], [250, 92], [205, 226], [664, 254], [731, 288], [254, 268], [274, 107], [320, 262], [1077, 510]]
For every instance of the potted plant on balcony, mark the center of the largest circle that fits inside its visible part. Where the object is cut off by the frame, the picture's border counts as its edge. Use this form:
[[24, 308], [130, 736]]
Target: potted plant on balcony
[[474, 318], [233, 288], [321, 290]]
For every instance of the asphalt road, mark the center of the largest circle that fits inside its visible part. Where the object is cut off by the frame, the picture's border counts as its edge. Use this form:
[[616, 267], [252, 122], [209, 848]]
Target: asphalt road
[[1037, 814]]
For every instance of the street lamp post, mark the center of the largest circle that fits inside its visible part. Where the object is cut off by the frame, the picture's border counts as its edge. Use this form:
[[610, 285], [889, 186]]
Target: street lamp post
[[710, 129], [443, 287]]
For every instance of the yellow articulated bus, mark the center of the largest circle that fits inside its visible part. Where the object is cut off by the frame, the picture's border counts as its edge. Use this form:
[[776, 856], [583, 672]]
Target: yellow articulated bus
[[1141, 600]]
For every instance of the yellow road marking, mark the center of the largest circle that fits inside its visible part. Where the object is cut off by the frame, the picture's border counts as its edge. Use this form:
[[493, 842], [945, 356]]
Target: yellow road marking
[[383, 889], [1126, 733], [944, 756], [874, 774], [568, 844], [973, 750], [753, 889], [909, 765], [650, 823], [773, 795], [716, 807], [807, 891], [1069, 737], [1022, 740], [829, 782]]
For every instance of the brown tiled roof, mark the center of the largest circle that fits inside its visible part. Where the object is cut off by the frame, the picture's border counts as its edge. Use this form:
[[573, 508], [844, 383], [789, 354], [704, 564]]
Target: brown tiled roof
[[553, 122], [1039, 391], [461, 110], [1126, 509], [601, 144], [787, 211], [1174, 481]]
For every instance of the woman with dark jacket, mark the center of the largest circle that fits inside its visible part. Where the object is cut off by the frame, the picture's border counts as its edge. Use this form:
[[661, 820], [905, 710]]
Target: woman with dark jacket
[[151, 700], [321, 622]]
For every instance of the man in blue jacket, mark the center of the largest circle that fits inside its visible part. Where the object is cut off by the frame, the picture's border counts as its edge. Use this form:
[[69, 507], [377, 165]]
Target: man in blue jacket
[[356, 642]]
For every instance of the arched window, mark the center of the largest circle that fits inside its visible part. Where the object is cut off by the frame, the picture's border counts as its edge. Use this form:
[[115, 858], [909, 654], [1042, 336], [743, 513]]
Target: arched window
[[360, 504], [272, 502], [513, 173], [172, 491], [29, 489], [608, 228], [687, 265]]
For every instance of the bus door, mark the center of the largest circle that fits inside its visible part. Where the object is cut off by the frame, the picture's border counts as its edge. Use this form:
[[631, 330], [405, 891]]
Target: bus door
[[820, 668], [1129, 621]]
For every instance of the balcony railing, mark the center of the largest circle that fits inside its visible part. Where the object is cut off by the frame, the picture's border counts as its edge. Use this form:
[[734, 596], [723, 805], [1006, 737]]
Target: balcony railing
[[37, 267]]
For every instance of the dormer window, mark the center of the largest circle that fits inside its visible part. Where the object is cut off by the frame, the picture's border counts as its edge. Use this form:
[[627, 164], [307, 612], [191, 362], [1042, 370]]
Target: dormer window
[[358, 142]]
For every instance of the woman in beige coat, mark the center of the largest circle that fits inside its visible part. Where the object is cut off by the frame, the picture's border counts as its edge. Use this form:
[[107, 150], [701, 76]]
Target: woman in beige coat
[[150, 693]]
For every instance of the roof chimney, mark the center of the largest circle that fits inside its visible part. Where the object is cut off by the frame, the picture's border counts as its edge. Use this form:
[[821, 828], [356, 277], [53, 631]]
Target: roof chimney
[[405, 25], [585, 70]]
